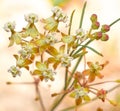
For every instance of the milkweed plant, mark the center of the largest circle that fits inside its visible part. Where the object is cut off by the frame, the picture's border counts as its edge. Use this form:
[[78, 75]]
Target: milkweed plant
[[78, 84]]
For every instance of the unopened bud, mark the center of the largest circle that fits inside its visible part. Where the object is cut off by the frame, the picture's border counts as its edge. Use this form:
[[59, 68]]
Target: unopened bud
[[97, 35], [105, 28], [104, 37], [93, 18], [95, 25]]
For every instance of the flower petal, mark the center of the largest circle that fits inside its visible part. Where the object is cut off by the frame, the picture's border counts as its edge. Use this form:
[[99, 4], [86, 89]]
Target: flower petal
[[36, 72], [91, 77], [86, 72], [78, 101]]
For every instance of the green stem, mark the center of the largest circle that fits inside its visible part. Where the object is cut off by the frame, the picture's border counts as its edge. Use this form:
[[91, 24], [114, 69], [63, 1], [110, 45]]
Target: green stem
[[69, 32], [82, 47], [72, 107], [81, 20], [57, 102], [40, 98], [74, 69], [114, 22], [66, 77]]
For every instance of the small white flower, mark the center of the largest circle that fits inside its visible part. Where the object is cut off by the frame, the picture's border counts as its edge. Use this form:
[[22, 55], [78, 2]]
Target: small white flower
[[66, 60], [56, 9], [48, 74], [80, 92], [9, 26], [50, 38], [14, 71], [63, 17], [31, 18], [24, 53], [80, 32], [59, 14]]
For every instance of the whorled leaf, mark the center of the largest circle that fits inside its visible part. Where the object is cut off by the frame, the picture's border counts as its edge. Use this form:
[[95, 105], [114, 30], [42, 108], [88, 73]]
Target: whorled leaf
[[31, 31], [15, 38], [50, 24], [41, 66], [69, 39], [52, 51], [22, 62]]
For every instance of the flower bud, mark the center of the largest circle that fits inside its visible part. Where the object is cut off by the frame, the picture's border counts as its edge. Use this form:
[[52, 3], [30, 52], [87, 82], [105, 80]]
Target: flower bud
[[104, 37], [105, 28], [97, 35], [95, 25], [93, 18]]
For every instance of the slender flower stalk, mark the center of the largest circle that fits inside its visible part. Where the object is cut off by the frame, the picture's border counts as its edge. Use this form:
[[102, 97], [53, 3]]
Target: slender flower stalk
[[78, 83]]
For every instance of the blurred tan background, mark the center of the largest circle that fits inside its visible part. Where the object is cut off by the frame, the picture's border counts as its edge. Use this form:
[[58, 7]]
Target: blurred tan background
[[21, 97]]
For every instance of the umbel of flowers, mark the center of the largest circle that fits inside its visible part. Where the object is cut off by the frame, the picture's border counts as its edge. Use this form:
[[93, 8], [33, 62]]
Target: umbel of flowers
[[35, 44]]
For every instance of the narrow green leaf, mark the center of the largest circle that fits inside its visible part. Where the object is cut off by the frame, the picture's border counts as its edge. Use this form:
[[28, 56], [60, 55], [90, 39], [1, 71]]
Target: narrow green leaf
[[92, 50], [71, 18], [82, 15], [78, 55]]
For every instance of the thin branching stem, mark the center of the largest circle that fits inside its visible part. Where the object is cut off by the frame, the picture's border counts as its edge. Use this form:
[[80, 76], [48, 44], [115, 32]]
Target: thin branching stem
[[100, 83], [79, 59], [114, 22], [36, 82], [95, 98], [69, 32]]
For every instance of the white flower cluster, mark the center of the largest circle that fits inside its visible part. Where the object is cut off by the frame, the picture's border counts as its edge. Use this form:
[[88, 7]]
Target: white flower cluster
[[50, 38], [66, 60], [59, 14], [9, 26], [80, 34], [48, 74], [31, 18], [80, 92], [24, 53], [14, 71]]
